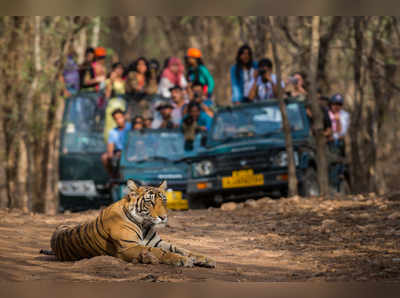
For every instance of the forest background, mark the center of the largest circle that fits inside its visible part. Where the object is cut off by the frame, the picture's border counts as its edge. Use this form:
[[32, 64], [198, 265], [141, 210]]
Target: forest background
[[357, 56]]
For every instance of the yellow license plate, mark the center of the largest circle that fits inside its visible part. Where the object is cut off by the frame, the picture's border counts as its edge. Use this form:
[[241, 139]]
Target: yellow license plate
[[243, 178], [176, 201]]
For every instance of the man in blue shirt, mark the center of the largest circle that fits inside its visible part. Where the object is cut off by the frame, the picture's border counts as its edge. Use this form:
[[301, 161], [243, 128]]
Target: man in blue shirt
[[116, 140]]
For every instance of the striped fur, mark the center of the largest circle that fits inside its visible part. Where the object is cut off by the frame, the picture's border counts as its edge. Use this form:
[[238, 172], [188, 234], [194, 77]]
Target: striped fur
[[126, 229]]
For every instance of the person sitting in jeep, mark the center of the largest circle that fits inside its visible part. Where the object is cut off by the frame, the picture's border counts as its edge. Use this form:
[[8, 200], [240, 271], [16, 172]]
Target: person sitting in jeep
[[264, 84], [116, 140], [196, 94], [193, 123], [138, 123], [166, 121]]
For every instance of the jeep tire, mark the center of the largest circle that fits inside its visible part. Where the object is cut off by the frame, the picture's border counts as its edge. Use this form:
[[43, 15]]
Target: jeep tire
[[198, 202], [309, 186]]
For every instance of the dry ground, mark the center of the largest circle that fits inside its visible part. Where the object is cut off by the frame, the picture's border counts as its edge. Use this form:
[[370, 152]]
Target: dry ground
[[342, 239]]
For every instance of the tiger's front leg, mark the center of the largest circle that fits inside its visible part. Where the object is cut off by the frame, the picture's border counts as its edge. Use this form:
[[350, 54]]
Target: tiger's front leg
[[153, 255], [153, 239], [198, 259]]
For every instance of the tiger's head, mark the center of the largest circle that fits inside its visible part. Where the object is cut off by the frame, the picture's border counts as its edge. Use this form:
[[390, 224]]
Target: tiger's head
[[147, 204]]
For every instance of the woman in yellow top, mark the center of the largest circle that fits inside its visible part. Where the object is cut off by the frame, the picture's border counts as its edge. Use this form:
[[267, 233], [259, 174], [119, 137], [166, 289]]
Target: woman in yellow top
[[116, 83]]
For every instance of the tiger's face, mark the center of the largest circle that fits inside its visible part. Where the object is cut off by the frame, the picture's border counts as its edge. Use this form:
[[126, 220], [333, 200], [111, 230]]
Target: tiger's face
[[148, 204]]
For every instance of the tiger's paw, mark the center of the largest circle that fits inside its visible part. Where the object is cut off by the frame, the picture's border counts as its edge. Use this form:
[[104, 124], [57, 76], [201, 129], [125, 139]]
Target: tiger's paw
[[186, 262], [203, 261], [178, 261], [147, 257]]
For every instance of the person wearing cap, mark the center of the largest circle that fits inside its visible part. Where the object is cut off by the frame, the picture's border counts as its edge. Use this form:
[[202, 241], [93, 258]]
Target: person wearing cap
[[172, 75], [165, 110], [99, 68], [198, 72], [178, 102], [340, 118]]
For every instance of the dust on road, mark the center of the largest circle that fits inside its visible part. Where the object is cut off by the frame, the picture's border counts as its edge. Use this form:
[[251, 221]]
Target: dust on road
[[296, 239]]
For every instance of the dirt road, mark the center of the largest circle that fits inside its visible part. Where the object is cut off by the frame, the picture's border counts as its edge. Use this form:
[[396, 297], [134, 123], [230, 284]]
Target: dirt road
[[293, 239]]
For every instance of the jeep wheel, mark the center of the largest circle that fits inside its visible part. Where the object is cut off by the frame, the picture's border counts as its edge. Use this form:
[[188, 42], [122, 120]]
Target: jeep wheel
[[344, 187], [198, 203], [310, 187]]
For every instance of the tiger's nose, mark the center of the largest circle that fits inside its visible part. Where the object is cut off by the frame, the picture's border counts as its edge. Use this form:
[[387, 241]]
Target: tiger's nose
[[163, 218]]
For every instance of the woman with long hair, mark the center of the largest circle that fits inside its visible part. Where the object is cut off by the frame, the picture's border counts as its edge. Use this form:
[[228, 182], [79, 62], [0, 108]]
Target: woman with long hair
[[242, 73], [138, 77], [173, 75], [115, 84], [198, 72]]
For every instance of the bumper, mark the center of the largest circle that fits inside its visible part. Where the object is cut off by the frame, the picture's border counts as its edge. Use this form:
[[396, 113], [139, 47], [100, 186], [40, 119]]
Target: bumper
[[176, 193], [274, 182], [82, 203]]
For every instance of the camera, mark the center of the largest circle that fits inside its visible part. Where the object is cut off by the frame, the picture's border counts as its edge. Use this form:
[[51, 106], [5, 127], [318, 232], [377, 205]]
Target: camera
[[294, 80], [262, 72], [188, 121], [196, 95]]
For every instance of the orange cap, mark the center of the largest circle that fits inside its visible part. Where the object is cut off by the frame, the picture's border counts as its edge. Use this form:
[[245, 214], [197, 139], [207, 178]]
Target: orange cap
[[100, 52], [193, 52]]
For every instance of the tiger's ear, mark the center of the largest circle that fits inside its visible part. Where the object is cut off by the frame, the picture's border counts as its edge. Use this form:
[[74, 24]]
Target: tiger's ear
[[163, 185], [132, 185]]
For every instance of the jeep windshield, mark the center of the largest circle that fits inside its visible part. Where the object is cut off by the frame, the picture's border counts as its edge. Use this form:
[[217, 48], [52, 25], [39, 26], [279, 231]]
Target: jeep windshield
[[83, 125], [254, 121], [155, 145]]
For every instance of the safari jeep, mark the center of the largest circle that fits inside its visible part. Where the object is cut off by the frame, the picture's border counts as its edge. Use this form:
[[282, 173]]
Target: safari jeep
[[151, 156], [245, 157], [82, 178]]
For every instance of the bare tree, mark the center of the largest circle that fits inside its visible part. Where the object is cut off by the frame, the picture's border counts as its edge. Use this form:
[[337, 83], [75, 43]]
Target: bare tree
[[96, 32], [318, 127], [293, 189]]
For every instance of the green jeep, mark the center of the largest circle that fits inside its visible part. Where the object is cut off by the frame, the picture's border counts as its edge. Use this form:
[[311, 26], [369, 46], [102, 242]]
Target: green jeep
[[82, 178], [245, 156], [150, 157]]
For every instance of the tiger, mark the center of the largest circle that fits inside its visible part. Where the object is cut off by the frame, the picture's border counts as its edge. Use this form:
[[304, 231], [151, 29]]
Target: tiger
[[126, 230]]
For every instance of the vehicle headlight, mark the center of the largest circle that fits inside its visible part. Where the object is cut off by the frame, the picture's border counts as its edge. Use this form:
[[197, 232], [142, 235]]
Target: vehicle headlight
[[281, 159], [203, 168]]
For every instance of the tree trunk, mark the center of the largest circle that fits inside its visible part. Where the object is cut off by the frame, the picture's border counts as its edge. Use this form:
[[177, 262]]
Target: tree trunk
[[293, 189], [96, 32], [318, 127], [80, 45], [50, 162], [358, 175], [4, 199], [324, 49]]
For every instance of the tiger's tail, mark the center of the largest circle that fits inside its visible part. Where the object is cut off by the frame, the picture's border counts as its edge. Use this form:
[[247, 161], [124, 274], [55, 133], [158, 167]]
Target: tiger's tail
[[47, 252]]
